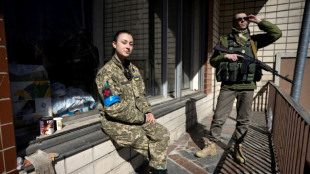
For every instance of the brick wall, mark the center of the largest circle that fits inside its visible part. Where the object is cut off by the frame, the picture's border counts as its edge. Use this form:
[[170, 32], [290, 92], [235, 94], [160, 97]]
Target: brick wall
[[7, 135], [212, 36]]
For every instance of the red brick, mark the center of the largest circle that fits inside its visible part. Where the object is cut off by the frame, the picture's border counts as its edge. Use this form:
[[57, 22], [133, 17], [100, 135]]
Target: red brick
[[171, 148], [13, 172], [1, 147], [10, 159], [198, 163], [8, 135], [1, 163], [3, 60], [193, 168], [4, 86], [208, 91], [2, 33], [195, 149], [6, 111], [192, 144], [174, 156], [180, 161]]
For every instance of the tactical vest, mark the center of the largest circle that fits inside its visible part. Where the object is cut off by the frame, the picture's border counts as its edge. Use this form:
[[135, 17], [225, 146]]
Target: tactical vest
[[229, 71]]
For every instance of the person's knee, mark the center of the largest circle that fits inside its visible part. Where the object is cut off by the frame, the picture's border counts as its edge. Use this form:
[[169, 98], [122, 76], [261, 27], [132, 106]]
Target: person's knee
[[163, 134]]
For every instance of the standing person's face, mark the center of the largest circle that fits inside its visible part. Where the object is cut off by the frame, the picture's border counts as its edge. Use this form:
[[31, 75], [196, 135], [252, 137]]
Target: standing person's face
[[123, 45], [241, 21]]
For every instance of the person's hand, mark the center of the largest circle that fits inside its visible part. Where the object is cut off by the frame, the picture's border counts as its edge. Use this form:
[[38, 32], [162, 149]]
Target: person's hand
[[150, 118], [253, 18], [233, 57]]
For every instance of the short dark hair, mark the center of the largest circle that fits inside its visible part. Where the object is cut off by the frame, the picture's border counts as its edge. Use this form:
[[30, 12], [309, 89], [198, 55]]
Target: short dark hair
[[120, 32], [234, 17]]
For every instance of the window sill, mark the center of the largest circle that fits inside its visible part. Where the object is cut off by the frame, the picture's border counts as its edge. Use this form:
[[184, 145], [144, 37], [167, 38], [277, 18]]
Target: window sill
[[85, 132]]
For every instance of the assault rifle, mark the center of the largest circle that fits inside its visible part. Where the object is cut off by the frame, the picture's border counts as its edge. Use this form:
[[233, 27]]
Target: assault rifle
[[247, 60]]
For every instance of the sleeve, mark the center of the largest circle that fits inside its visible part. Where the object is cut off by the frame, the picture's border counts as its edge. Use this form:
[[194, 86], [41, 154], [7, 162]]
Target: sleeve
[[118, 108], [218, 56], [272, 34]]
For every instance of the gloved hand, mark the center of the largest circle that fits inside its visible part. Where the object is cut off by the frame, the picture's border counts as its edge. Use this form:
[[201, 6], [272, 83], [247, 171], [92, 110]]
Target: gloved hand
[[41, 161]]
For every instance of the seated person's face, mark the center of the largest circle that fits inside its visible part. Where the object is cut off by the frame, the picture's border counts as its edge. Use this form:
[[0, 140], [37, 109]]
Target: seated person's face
[[124, 45]]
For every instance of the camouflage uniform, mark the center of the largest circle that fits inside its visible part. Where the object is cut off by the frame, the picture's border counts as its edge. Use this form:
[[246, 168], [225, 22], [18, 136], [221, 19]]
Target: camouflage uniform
[[243, 91], [124, 121]]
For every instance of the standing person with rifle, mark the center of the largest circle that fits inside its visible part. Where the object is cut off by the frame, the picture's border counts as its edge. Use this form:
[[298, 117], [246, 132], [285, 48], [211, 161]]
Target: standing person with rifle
[[238, 81]]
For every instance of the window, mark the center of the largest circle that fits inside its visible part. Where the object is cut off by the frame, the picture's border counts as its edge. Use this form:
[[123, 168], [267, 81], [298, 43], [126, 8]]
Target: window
[[142, 19], [48, 42], [64, 42]]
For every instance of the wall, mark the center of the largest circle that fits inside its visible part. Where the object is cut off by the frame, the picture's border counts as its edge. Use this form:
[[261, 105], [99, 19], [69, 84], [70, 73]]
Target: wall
[[288, 62], [7, 138]]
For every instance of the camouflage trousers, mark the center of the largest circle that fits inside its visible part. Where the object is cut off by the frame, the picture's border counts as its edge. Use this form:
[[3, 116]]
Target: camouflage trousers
[[223, 108], [150, 139]]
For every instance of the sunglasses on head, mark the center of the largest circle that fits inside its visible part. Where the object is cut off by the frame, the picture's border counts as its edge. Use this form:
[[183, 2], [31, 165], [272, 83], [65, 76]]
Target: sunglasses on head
[[240, 19]]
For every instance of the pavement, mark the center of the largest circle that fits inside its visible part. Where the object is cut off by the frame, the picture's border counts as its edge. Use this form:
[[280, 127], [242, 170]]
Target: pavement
[[257, 149]]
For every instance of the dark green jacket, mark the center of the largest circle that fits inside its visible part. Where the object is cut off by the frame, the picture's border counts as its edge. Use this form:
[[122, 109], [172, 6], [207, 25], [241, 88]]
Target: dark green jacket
[[260, 40]]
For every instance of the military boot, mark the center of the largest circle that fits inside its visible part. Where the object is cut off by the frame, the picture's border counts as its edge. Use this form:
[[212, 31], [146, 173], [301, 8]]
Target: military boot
[[208, 150], [238, 154], [158, 171]]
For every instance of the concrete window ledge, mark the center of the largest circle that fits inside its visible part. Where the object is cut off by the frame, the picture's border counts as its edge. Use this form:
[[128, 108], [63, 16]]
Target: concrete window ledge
[[81, 135]]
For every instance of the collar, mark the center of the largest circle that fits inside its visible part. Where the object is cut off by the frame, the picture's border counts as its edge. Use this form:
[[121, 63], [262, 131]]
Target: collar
[[117, 63], [127, 63]]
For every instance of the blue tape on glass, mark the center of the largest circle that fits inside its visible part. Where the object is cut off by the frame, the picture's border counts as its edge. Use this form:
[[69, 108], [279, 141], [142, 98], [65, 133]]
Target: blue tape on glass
[[111, 100]]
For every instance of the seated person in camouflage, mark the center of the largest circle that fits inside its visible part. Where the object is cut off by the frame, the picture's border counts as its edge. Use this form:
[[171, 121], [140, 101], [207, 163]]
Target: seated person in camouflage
[[126, 116]]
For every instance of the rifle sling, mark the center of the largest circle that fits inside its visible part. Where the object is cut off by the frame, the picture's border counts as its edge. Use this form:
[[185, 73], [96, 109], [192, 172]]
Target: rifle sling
[[253, 48], [245, 64]]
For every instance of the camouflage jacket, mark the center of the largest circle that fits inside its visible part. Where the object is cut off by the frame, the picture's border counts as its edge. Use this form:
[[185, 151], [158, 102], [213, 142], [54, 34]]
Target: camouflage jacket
[[131, 103]]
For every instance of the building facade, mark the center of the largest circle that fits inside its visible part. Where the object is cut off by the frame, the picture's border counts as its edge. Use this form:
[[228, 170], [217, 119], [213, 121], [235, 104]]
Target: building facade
[[70, 40]]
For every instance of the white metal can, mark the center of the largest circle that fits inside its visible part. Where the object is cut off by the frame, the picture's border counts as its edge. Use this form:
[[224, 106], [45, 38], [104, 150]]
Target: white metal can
[[46, 126]]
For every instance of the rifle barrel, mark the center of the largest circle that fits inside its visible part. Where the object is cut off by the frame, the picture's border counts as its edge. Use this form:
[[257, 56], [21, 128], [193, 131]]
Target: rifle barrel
[[252, 60]]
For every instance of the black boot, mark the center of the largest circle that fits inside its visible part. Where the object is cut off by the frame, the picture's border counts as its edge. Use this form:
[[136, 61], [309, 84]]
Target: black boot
[[159, 171]]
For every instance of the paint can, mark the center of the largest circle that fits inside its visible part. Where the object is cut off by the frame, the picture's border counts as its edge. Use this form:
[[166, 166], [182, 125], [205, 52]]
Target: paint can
[[46, 126]]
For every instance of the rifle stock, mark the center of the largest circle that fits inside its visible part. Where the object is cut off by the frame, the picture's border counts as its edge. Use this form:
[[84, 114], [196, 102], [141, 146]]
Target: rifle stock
[[252, 60]]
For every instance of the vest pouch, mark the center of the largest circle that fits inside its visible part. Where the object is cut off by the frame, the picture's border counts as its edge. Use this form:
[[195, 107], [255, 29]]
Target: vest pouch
[[233, 71], [258, 74], [251, 72], [222, 72], [241, 77]]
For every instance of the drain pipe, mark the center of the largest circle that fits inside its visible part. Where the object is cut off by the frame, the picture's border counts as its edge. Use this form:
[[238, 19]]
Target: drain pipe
[[301, 53]]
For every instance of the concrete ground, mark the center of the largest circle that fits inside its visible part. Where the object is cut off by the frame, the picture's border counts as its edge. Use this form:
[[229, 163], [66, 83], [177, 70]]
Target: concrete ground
[[257, 149]]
